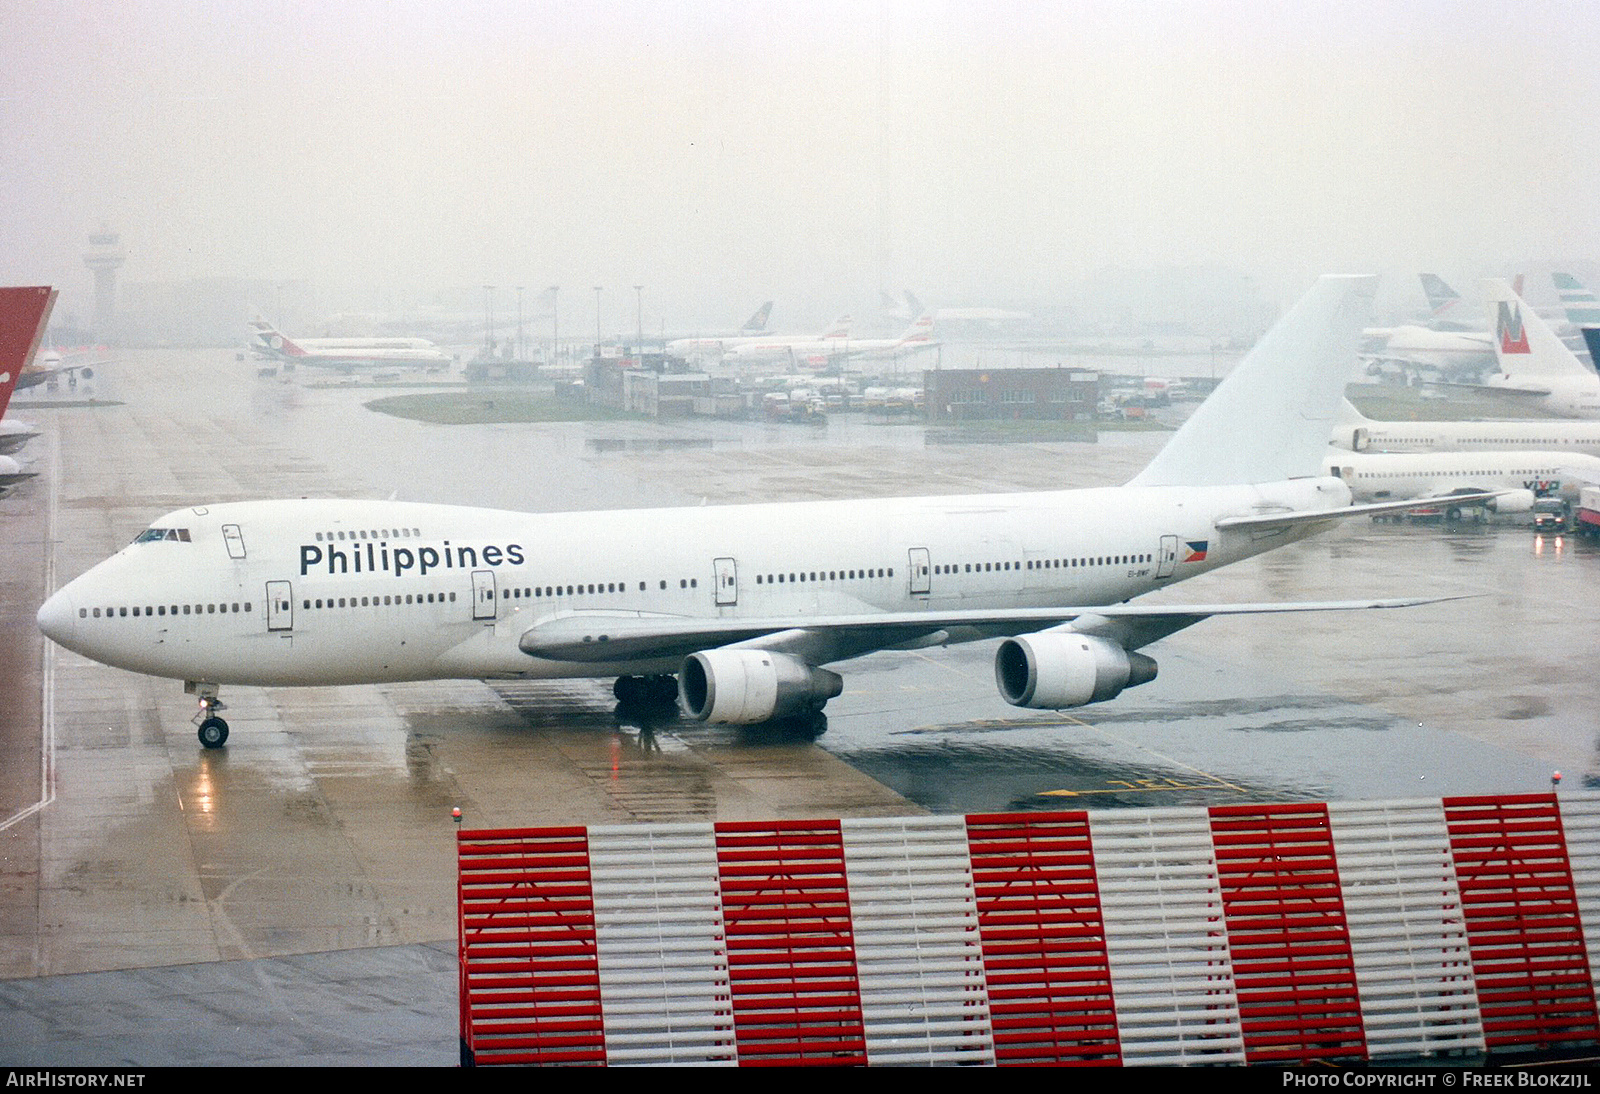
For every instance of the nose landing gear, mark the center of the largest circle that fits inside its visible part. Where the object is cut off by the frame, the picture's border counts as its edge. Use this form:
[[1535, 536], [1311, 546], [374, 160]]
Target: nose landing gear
[[213, 730]]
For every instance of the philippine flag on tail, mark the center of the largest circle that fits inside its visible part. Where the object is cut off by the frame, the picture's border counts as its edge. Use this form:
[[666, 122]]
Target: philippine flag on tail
[[1195, 550]]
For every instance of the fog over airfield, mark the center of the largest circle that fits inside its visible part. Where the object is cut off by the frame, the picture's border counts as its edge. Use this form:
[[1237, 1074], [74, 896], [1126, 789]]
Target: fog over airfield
[[721, 153]]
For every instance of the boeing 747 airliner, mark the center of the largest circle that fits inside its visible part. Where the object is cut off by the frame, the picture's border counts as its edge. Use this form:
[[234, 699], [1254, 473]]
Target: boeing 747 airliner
[[745, 605]]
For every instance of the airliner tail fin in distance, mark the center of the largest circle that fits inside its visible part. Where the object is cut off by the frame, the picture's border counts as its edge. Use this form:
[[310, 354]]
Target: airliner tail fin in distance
[[757, 323], [1443, 301], [1271, 417], [1583, 311], [921, 330], [1524, 345], [274, 341], [24, 314]]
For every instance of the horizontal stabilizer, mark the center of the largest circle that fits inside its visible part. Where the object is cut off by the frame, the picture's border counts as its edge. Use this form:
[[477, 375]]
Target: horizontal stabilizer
[[1267, 522]]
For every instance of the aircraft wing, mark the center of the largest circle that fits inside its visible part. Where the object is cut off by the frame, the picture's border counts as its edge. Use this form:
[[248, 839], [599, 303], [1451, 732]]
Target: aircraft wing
[[596, 636], [1266, 523], [1522, 390]]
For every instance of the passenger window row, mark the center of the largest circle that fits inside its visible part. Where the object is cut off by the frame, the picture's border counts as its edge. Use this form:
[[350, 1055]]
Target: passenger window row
[[161, 609], [377, 601], [376, 533], [595, 588], [1043, 564], [823, 575]]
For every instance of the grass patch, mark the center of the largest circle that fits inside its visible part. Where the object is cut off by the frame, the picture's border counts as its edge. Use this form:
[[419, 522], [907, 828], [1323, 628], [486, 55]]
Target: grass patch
[[489, 407], [995, 432], [1395, 403]]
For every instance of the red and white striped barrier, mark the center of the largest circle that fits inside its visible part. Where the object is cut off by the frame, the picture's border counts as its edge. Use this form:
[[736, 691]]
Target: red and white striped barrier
[[1229, 934]]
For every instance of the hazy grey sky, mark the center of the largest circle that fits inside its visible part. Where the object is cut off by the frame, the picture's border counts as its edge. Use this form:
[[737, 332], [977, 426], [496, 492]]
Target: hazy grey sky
[[724, 152]]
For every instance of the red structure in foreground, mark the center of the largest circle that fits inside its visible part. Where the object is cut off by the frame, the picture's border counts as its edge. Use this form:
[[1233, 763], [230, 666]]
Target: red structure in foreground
[[1230, 934]]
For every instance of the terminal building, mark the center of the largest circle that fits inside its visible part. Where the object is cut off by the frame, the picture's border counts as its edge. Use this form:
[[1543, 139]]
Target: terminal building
[[997, 394]]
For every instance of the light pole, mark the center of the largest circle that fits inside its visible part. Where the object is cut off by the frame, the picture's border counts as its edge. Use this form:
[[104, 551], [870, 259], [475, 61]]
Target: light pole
[[555, 323], [597, 320], [488, 320], [519, 323], [638, 318]]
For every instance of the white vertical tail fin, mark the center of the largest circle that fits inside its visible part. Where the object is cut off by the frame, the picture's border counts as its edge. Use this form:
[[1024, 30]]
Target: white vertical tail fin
[[1524, 345], [1271, 418], [921, 330]]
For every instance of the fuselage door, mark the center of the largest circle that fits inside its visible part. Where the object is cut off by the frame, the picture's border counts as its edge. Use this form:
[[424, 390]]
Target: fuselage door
[[1167, 560], [483, 606], [920, 569], [727, 578], [234, 539], [280, 606], [1358, 440]]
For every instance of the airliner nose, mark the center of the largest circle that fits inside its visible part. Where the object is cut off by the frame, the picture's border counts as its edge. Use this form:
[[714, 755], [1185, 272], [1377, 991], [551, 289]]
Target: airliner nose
[[56, 618]]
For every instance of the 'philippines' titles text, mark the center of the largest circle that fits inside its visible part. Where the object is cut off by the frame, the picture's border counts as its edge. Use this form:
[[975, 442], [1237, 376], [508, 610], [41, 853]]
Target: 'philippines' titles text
[[380, 558]]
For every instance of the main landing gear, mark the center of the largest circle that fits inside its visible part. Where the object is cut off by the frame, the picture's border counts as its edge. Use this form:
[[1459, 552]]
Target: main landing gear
[[646, 692], [213, 730]]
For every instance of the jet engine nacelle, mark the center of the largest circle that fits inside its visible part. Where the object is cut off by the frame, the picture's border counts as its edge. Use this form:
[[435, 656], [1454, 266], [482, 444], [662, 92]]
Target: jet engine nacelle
[[1056, 669], [1517, 501], [742, 687]]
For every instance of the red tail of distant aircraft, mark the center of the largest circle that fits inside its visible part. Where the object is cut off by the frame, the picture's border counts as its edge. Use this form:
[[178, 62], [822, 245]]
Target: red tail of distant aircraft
[[23, 314]]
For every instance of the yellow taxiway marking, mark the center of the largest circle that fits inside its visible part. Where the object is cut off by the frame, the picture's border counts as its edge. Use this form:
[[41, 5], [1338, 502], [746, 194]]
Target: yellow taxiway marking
[[1140, 785]]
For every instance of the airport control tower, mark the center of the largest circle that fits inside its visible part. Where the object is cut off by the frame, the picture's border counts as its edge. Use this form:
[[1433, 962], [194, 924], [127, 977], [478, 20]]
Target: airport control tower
[[105, 256]]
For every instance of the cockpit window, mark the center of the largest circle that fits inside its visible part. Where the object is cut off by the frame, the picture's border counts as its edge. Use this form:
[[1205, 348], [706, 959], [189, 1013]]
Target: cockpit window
[[179, 535]]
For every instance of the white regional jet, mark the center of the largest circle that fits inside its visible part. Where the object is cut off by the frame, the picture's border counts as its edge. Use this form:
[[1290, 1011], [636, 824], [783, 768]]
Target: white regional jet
[[746, 604], [1359, 433], [711, 343], [346, 353], [771, 346], [820, 353], [1515, 479]]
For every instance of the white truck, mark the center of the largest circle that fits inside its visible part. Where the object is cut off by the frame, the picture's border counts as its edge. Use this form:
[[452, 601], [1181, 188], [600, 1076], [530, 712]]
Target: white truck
[[1586, 517]]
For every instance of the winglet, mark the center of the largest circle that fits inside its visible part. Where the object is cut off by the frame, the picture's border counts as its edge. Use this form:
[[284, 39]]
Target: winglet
[[1271, 417]]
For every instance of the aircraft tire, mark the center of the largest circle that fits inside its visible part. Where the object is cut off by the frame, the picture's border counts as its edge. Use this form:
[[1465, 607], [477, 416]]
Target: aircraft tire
[[646, 691], [663, 690], [213, 733]]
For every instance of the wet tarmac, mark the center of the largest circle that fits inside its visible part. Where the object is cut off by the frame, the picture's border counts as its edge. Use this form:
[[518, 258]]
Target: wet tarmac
[[323, 828]]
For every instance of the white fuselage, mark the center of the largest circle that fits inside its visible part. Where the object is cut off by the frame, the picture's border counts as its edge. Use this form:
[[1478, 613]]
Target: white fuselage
[[1554, 434], [344, 592], [1385, 476], [1568, 397], [1443, 349], [820, 354], [347, 353]]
